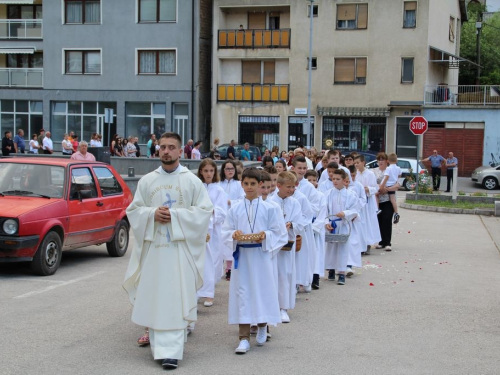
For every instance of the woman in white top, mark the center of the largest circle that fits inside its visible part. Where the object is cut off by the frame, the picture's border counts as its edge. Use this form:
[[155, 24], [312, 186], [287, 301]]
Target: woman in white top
[[34, 145], [67, 146], [93, 141]]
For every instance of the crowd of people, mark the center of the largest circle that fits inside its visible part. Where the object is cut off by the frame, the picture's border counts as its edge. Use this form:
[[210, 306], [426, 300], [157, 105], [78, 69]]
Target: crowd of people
[[272, 232]]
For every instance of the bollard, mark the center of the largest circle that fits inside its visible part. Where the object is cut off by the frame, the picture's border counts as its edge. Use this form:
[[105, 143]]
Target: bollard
[[131, 172], [497, 208], [454, 187]]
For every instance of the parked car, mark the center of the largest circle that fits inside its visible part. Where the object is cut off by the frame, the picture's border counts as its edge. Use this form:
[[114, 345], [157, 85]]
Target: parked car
[[405, 165], [254, 152], [369, 155], [487, 176], [49, 205]]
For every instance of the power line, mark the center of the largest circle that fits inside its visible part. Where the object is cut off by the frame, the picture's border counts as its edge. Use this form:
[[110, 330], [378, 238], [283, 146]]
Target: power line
[[486, 24]]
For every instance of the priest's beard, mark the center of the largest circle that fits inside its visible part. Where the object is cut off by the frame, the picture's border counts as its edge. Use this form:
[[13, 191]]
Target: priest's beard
[[167, 160]]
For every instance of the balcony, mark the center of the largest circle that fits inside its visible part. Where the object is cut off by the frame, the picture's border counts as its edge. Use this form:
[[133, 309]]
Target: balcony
[[255, 92], [21, 29], [254, 38], [462, 95], [21, 77]]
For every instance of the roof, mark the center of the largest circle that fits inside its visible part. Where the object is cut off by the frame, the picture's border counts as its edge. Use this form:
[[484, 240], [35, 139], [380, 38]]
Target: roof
[[47, 161], [439, 56]]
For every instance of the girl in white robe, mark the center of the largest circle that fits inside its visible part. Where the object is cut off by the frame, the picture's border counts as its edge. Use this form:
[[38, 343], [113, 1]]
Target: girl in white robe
[[357, 241], [319, 238], [207, 172]]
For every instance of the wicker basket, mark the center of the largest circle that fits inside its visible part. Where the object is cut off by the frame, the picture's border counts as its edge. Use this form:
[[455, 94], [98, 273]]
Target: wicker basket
[[288, 246], [298, 241], [336, 237], [249, 238]]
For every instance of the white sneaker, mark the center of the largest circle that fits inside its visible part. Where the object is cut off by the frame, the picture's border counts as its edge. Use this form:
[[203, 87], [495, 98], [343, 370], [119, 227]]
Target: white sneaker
[[307, 288], [243, 347], [261, 335], [284, 316], [208, 304], [190, 328], [349, 272]]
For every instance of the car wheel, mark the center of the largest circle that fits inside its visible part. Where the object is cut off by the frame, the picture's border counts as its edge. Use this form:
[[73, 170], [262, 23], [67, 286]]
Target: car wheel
[[490, 183], [48, 256], [117, 247], [407, 184]]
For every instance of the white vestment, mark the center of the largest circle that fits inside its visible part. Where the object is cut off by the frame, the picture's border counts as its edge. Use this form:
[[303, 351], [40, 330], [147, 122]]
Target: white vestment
[[325, 186], [166, 265], [291, 212], [336, 254], [235, 193], [358, 244], [318, 227], [303, 268], [324, 174], [253, 295], [371, 230]]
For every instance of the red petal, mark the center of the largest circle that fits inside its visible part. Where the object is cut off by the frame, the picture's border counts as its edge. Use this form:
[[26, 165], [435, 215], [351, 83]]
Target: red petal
[[372, 284]]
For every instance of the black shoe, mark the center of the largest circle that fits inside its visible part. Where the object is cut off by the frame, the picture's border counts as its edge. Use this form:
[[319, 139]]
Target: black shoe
[[341, 280], [396, 218], [331, 275], [228, 275], [315, 282], [169, 364], [447, 191]]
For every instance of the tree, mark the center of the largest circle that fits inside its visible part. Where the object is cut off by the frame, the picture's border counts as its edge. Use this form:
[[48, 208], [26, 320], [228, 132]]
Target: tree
[[490, 48]]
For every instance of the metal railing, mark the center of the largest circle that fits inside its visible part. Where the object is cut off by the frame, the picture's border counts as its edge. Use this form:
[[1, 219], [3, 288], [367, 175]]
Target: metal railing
[[21, 29], [21, 77], [253, 93], [254, 38], [462, 95]]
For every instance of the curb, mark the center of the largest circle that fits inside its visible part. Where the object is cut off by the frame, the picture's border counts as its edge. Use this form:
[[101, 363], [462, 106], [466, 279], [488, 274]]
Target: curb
[[476, 211]]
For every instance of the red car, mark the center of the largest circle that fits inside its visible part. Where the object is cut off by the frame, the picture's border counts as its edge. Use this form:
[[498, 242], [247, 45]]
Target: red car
[[48, 205]]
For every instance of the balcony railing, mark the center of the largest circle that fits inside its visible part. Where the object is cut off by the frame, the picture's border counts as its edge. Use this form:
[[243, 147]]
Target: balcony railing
[[462, 95], [21, 29], [20, 77], [254, 38], [253, 93]]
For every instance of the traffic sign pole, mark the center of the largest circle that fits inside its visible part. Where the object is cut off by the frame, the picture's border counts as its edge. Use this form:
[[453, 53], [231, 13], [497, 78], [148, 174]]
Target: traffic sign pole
[[418, 148], [418, 126]]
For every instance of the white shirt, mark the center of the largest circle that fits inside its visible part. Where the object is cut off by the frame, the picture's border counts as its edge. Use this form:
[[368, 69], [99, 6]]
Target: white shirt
[[68, 144], [195, 154], [393, 171], [34, 146], [47, 144], [131, 147]]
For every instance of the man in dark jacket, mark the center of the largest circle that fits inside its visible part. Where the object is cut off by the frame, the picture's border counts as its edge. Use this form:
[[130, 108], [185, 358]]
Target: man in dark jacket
[[7, 144]]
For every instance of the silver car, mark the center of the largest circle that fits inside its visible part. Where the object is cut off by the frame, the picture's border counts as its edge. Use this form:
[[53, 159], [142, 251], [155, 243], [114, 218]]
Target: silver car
[[487, 176], [405, 165]]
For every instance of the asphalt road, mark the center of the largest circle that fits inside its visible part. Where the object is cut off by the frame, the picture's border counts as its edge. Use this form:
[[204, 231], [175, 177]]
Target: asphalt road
[[432, 309]]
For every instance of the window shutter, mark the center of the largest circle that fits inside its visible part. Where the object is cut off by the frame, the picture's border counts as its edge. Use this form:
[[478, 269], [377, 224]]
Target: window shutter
[[362, 16], [344, 70], [269, 71], [251, 71], [346, 12], [256, 21], [361, 68], [410, 5]]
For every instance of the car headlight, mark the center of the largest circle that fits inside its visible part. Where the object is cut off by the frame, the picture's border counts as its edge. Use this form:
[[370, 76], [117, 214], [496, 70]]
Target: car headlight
[[10, 226]]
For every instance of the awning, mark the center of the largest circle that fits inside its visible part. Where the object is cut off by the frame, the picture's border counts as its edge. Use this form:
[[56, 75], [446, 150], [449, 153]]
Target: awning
[[354, 111], [17, 1], [441, 57], [25, 51]]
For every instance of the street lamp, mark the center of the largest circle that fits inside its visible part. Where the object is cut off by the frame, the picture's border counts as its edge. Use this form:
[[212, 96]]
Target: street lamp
[[309, 92]]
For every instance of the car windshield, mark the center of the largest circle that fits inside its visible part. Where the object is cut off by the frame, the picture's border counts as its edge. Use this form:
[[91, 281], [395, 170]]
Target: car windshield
[[31, 180]]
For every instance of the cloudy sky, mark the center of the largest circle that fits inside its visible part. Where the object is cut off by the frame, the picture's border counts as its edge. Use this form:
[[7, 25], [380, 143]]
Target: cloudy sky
[[493, 5]]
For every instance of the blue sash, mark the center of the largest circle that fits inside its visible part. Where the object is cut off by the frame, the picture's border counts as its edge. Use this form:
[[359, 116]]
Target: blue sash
[[334, 225], [236, 254]]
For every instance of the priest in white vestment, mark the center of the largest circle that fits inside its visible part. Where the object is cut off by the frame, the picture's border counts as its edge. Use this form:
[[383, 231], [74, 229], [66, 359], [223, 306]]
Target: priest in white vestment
[[169, 217]]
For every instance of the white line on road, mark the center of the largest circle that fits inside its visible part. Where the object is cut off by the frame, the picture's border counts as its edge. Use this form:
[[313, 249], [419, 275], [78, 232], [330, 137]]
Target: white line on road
[[37, 280], [52, 287]]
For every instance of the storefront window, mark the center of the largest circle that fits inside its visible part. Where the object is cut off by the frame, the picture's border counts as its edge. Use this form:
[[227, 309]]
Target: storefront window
[[262, 131], [354, 133], [21, 114], [406, 141], [143, 119], [298, 132]]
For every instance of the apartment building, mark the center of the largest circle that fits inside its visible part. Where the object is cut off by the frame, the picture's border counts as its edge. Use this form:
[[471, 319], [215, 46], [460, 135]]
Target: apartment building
[[63, 62], [373, 63]]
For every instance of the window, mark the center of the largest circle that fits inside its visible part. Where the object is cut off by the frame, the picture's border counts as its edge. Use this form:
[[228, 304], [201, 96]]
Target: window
[[82, 62], [354, 133], [350, 70], [82, 11], [410, 14], [107, 182], [407, 70], [25, 60], [315, 11], [352, 16], [21, 114], [452, 29], [314, 63], [258, 72], [157, 10], [144, 119], [24, 12], [81, 179], [157, 62]]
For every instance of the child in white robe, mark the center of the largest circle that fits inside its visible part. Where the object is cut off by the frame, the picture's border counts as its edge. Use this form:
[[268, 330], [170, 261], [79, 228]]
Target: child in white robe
[[341, 210], [253, 296], [290, 210], [231, 184], [207, 172], [273, 173], [333, 156]]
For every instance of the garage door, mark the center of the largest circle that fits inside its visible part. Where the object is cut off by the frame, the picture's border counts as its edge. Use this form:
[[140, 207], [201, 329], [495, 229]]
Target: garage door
[[466, 145]]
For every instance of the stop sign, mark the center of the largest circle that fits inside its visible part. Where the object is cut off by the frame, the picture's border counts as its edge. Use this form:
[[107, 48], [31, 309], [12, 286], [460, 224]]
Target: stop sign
[[418, 125]]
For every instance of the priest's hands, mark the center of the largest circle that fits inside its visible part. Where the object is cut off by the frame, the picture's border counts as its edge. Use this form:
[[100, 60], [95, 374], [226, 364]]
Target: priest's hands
[[236, 234], [162, 215]]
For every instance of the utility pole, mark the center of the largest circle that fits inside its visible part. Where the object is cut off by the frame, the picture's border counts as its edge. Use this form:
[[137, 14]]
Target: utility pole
[[309, 93], [479, 25]]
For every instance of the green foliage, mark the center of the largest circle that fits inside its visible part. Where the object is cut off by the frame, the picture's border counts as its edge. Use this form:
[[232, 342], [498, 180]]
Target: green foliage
[[479, 194], [490, 48], [450, 204], [461, 192], [425, 184]]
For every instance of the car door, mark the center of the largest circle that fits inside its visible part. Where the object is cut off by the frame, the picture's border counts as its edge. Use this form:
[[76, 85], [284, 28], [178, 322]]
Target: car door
[[85, 208]]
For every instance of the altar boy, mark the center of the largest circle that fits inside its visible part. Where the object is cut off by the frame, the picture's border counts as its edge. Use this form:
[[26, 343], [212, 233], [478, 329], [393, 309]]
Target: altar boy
[[253, 295]]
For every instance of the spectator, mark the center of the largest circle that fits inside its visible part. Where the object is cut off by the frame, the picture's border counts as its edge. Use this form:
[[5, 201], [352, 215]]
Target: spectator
[[67, 146], [19, 144], [437, 162], [119, 147], [113, 144], [74, 142], [245, 154], [267, 160], [47, 145], [300, 152], [451, 164], [99, 140], [290, 158], [137, 147], [284, 156], [188, 149], [231, 153], [274, 156], [71, 137], [266, 152], [93, 140], [7, 144], [82, 153], [215, 146], [34, 145], [41, 137], [130, 150], [151, 142], [195, 154]]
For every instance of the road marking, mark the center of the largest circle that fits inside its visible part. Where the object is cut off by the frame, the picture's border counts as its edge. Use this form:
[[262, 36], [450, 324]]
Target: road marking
[[38, 279], [52, 287]]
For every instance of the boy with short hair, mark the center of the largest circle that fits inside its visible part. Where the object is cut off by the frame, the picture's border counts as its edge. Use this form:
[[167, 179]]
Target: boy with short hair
[[341, 210], [253, 296], [273, 173], [391, 176], [326, 185], [333, 156], [312, 177]]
